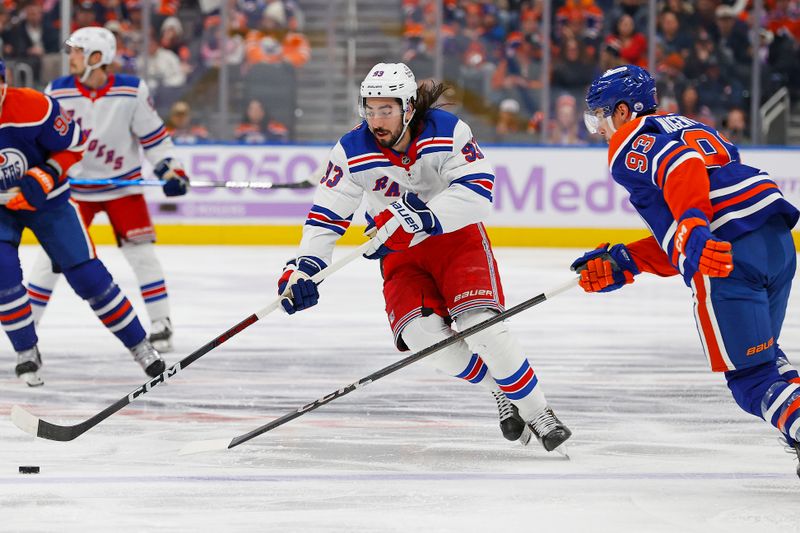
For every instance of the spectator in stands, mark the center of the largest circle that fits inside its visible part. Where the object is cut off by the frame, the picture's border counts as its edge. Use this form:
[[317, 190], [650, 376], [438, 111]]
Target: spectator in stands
[[564, 129], [519, 74], [258, 128], [86, 15], [670, 82], [29, 40], [163, 67], [125, 60], [509, 128], [691, 107], [717, 91], [172, 39], [211, 46], [636, 9], [625, 45], [701, 55], [6, 48], [734, 42], [273, 42], [572, 72], [132, 30], [180, 126], [734, 127], [673, 38]]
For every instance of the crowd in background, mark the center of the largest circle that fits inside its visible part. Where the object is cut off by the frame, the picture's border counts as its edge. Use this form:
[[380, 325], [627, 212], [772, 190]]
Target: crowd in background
[[703, 56], [494, 50]]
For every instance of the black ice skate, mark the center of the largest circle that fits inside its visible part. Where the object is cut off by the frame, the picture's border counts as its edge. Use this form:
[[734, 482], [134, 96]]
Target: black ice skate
[[511, 424], [28, 364], [547, 429], [796, 449], [147, 356], [161, 335]]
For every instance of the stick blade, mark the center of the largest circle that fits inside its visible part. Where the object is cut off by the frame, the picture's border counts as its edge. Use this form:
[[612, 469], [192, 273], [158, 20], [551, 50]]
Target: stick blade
[[25, 421], [203, 446]]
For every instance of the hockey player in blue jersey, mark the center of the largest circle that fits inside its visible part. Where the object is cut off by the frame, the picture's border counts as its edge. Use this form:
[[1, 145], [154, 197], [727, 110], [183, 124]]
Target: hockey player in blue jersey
[[723, 225], [38, 144]]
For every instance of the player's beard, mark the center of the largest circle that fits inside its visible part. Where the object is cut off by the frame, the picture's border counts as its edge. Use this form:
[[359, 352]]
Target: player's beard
[[391, 140]]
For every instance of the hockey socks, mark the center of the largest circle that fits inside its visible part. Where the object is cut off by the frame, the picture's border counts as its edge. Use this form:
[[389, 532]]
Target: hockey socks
[[15, 315], [92, 282]]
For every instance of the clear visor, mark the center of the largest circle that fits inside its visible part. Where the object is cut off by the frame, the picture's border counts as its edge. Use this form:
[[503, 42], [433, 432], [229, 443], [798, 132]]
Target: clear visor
[[387, 112], [593, 120]]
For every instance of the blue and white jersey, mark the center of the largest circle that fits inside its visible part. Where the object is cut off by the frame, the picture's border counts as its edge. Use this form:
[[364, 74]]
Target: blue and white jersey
[[34, 130], [443, 165], [120, 123]]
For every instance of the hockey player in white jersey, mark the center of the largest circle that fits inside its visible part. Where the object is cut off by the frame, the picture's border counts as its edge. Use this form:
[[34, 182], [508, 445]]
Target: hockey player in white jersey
[[427, 186], [117, 115]]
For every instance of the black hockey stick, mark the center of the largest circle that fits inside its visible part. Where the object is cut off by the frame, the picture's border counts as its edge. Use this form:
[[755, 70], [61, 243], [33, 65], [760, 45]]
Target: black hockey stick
[[47, 430], [199, 183], [222, 444]]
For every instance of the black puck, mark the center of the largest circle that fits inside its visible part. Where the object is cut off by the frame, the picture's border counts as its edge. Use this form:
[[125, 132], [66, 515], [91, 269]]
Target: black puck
[[29, 470]]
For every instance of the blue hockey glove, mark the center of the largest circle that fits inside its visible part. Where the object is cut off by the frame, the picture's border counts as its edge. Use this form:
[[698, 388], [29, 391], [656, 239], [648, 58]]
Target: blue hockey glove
[[34, 187], [703, 252], [295, 286], [396, 225], [605, 269], [176, 180]]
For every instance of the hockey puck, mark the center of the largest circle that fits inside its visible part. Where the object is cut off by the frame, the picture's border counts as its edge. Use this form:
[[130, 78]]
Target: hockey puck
[[29, 470]]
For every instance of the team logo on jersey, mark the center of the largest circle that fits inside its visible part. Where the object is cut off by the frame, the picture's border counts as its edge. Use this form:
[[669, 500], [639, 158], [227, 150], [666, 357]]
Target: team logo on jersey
[[13, 165], [405, 160]]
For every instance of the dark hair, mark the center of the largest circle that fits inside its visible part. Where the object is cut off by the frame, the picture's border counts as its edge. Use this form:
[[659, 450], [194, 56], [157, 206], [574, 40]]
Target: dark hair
[[427, 95]]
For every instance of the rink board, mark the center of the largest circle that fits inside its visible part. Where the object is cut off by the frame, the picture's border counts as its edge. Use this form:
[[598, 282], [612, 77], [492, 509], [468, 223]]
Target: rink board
[[543, 196]]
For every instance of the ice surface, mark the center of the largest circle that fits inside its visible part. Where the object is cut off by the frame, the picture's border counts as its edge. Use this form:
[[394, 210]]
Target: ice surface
[[658, 444]]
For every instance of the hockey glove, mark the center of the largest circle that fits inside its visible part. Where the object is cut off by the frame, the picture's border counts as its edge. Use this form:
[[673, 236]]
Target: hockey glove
[[34, 187], [176, 182], [702, 251], [297, 290], [605, 269], [396, 225]]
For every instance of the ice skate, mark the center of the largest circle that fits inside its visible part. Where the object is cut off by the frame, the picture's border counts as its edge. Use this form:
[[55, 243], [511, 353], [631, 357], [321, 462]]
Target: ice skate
[[28, 364], [161, 335], [149, 358], [794, 447], [511, 424], [548, 430]]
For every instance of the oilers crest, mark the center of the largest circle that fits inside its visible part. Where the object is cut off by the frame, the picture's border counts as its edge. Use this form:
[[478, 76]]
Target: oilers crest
[[13, 164]]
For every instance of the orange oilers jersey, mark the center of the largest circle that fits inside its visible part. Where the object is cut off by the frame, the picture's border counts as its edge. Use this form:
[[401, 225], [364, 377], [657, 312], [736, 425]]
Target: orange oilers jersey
[[35, 130], [670, 163]]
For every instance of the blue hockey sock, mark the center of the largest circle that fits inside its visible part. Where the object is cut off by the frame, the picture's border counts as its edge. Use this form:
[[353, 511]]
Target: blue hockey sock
[[520, 384], [15, 307], [92, 282]]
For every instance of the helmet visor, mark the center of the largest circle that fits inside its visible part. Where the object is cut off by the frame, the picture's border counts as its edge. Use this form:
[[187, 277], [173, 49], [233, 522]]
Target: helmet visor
[[593, 120], [381, 112]]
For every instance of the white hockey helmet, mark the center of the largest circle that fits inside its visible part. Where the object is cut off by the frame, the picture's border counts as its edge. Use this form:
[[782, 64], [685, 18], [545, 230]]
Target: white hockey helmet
[[389, 80], [92, 40]]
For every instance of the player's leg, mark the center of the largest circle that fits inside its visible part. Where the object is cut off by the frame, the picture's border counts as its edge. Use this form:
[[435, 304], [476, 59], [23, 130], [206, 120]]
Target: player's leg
[[15, 308], [67, 242], [470, 283], [415, 308], [136, 237], [44, 275], [739, 318]]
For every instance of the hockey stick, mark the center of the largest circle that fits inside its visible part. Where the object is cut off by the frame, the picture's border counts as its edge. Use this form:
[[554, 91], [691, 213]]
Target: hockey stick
[[41, 428], [6, 196], [222, 444], [216, 184]]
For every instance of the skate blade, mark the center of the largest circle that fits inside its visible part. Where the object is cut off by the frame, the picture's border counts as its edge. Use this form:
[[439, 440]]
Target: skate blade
[[562, 450], [32, 379]]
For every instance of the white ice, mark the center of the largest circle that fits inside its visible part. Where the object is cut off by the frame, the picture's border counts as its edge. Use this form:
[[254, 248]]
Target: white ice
[[658, 446]]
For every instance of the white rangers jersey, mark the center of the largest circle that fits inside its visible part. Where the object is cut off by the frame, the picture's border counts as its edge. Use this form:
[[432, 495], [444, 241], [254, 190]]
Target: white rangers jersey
[[444, 166], [118, 119]]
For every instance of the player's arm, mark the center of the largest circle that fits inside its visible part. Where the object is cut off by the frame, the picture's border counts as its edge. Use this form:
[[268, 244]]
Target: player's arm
[[682, 176], [157, 144], [335, 200], [466, 201], [469, 197], [62, 138]]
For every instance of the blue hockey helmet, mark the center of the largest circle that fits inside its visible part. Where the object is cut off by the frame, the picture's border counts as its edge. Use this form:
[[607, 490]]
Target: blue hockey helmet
[[629, 84]]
